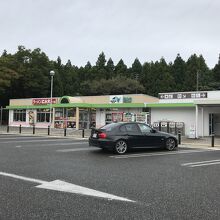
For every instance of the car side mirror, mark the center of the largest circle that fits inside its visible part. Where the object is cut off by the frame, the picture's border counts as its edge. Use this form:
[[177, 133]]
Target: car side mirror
[[153, 131]]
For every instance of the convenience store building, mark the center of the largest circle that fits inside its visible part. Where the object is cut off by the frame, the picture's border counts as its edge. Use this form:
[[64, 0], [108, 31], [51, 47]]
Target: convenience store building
[[196, 114], [82, 112]]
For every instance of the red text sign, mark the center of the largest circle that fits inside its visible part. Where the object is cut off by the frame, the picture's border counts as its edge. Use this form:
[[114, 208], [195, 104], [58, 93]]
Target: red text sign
[[43, 101]]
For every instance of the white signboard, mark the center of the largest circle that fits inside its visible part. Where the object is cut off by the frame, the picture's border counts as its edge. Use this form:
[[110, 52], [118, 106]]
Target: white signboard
[[116, 99]]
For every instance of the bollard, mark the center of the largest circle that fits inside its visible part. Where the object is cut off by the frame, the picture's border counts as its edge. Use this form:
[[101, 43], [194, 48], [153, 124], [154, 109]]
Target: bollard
[[64, 132], [8, 129], [168, 127], [48, 130], [20, 129], [83, 133], [213, 140], [179, 137], [33, 129]]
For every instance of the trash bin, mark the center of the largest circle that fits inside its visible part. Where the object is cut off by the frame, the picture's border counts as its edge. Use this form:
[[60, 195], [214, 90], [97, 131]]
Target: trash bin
[[163, 125], [180, 128], [172, 127], [156, 126]]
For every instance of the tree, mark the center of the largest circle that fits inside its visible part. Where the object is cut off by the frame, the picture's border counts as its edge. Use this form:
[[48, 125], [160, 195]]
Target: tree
[[216, 75], [121, 69], [136, 69], [196, 67], [100, 67], [178, 70], [110, 69]]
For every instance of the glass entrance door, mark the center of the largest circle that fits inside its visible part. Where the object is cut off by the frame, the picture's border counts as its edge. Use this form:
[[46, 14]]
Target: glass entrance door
[[83, 119]]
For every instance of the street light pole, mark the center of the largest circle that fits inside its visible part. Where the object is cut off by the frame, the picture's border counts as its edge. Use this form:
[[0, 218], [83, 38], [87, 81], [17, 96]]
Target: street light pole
[[52, 73]]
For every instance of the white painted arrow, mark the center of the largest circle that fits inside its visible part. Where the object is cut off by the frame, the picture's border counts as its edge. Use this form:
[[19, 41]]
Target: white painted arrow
[[62, 186]]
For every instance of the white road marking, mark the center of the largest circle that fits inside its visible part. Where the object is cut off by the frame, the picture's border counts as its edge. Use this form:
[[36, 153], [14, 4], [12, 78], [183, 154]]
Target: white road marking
[[31, 141], [205, 161], [22, 178], [159, 154], [63, 144], [59, 185], [56, 144], [204, 164], [18, 146], [20, 138], [201, 163], [78, 149]]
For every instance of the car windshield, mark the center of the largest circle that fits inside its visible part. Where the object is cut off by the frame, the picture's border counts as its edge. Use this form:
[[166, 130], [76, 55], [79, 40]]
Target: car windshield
[[109, 127]]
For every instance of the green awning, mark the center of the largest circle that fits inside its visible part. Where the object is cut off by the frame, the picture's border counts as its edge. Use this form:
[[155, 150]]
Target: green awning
[[169, 105], [110, 105], [80, 105]]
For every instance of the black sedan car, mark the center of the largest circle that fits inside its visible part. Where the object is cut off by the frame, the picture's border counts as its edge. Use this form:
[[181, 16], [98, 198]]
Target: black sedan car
[[123, 136]]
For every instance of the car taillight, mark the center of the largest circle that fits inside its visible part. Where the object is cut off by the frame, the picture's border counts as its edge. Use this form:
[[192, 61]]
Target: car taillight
[[102, 135]]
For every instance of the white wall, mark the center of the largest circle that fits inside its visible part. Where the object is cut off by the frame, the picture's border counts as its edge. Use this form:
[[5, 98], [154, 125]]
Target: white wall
[[186, 115], [207, 111]]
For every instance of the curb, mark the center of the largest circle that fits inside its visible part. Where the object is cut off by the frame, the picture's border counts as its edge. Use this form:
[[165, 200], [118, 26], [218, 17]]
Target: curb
[[197, 145]]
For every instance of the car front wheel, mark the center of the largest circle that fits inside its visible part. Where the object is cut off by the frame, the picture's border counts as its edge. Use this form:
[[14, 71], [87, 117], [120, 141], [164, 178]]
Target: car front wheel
[[121, 147], [170, 144]]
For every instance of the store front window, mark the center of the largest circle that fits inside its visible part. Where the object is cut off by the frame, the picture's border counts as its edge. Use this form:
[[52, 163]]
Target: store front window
[[43, 115], [65, 118], [19, 115]]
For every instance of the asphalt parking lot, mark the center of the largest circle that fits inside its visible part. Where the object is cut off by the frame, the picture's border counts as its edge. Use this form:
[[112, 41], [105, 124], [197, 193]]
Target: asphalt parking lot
[[57, 178]]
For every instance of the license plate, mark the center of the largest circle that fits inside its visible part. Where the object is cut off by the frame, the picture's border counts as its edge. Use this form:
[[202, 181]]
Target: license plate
[[94, 135]]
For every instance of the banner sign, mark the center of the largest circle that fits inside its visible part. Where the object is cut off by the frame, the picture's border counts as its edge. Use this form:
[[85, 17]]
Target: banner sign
[[116, 99], [183, 95], [43, 101]]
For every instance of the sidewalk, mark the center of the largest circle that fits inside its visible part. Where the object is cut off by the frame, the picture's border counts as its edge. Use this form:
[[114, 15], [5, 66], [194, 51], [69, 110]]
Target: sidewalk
[[204, 142], [53, 132]]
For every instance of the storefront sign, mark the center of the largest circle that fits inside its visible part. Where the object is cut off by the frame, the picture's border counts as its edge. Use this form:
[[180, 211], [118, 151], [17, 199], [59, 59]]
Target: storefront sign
[[183, 95], [127, 99], [128, 117], [116, 117], [43, 101], [116, 99]]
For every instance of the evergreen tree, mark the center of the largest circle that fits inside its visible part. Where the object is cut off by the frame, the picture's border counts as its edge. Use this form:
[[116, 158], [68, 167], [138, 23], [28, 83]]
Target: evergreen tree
[[197, 69], [216, 75], [110, 69], [121, 69], [100, 67], [136, 70], [178, 70]]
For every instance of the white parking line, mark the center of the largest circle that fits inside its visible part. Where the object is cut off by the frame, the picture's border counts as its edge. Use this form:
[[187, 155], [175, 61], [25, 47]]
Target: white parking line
[[20, 138], [206, 161], [159, 154], [31, 141], [201, 163], [204, 164], [77, 149]]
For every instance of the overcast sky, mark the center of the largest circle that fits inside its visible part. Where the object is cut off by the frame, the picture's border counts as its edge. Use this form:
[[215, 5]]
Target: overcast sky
[[80, 30]]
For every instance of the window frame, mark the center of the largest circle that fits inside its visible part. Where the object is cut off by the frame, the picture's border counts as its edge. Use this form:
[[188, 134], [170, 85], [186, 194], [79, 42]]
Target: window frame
[[19, 115]]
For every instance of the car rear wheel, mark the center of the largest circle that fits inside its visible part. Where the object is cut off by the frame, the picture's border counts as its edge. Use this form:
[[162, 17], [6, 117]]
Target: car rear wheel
[[170, 144], [121, 147]]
